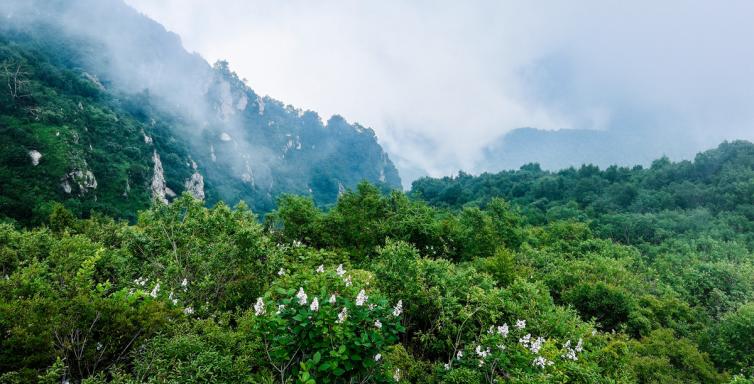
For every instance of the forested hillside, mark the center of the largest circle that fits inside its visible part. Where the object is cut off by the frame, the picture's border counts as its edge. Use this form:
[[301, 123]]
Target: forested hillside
[[711, 196], [380, 288], [103, 109]]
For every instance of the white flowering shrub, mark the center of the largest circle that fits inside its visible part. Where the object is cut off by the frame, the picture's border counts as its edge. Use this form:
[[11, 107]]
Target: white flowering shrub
[[512, 351], [325, 324]]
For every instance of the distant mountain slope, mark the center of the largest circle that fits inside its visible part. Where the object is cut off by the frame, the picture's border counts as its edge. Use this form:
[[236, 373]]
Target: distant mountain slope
[[718, 180], [102, 108], [564, 148]]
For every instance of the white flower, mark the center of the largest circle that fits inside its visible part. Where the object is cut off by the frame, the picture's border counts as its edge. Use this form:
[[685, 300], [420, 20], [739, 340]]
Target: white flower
[[315, 305], [594, 332], [569, 353], [491, 330], [397, 374], [361, 298], [342, 316], [340, 271], [301, 296], [447, 366], [155, 290], [377, 357], [259, 307], [398, 308], [541, 362], [525, 340], [347, 280], [188, 310], [503, 330], [459, 355], [501, 347], [378, 324], [520, 324], [482, 352], [141, 281], [281, 272], [99, 346], [537, 345], [320, 269], [184, 283], [332, 299], [481, 362], [372, 306], [580, 345], [280, 310]]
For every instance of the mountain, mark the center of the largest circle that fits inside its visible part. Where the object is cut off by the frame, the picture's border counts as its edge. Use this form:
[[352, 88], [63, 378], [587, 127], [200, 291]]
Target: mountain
[[717, 180], [102, 108], [558, 149]]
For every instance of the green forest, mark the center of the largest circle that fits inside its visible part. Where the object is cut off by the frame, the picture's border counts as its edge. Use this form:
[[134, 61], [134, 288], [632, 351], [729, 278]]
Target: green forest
[[622, 275]]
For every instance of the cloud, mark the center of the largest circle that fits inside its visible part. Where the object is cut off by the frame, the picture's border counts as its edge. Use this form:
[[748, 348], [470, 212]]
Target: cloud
[[438, 80]]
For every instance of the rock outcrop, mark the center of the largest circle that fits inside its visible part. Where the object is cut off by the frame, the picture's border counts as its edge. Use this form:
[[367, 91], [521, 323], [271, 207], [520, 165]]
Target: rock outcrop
[[159, 189]]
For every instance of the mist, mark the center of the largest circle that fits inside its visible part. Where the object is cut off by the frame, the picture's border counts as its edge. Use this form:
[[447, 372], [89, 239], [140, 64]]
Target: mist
[[439, 81], [137, 55]]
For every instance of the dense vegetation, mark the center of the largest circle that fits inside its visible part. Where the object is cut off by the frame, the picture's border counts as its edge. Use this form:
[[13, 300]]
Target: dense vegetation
[[709, 197], [380, 288]]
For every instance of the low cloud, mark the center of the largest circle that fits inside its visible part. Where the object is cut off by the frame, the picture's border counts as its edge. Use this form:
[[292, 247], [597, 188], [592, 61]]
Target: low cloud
[[439, 80]]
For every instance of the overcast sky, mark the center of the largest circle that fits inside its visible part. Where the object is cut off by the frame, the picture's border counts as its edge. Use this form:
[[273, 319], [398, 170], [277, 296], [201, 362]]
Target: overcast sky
[[437, 80]]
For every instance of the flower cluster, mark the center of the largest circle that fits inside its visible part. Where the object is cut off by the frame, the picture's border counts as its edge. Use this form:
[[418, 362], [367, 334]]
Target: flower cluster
[[490, 349], [398, 308], [259, 307], [501, 330], [541, 362], [301, 296], [571, 353], [315, 305], [361, 298], [342, 316], [353, 309]]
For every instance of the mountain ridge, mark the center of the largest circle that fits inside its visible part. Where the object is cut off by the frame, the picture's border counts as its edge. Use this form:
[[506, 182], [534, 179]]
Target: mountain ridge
[[185, 126]]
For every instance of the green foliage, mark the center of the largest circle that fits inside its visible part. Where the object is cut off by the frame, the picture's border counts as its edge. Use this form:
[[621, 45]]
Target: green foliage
[[336, 331], [421, 294], [195, 294], [729, 341]]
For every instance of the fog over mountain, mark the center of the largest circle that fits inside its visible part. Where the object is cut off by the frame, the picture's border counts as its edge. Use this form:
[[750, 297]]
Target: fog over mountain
[[440, 81], [114, 113]]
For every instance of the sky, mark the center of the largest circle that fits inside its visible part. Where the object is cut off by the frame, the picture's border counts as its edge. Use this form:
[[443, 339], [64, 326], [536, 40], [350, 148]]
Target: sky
[[438, 80]]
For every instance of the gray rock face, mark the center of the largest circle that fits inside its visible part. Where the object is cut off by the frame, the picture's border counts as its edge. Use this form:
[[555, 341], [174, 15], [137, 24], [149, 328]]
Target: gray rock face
[[159, 189], [195, 185], [35, 156], [82, 180]]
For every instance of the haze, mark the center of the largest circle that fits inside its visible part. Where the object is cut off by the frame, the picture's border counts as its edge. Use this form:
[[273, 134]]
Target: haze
[[440, 80]]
